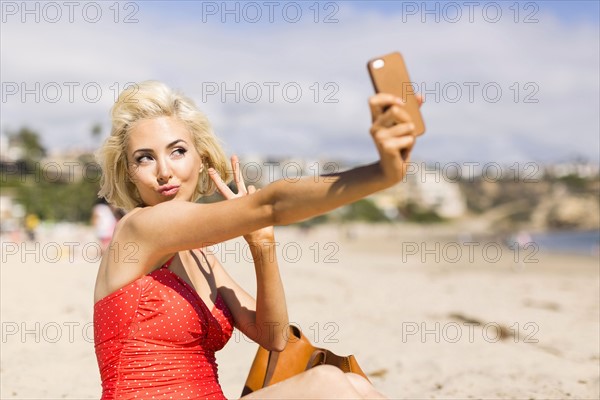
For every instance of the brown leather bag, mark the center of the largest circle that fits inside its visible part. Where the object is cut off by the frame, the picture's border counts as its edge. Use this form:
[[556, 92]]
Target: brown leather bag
[[270, 367]]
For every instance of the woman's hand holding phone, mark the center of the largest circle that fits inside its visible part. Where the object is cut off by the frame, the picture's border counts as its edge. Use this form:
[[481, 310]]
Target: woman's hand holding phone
[[393, 132], [395, 114]]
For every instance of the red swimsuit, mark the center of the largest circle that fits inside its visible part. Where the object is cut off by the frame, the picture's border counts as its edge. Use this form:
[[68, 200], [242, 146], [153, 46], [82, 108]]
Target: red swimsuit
[[156, 339]]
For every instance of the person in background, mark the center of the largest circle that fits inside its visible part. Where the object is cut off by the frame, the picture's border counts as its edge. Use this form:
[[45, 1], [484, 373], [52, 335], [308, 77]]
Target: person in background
[[31, 223], [104, 222]]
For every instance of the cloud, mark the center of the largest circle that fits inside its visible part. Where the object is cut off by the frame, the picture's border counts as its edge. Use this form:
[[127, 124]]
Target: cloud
[[312, 80]]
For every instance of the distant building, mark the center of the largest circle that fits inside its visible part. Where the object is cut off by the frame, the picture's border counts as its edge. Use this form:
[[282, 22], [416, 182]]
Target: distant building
[[66, 167], [261, 171], [428, 189], [443, 197], [580, 169], [4, 148]]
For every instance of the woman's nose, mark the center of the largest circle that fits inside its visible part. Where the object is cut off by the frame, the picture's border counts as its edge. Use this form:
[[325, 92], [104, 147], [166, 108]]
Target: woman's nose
[[164, 171]]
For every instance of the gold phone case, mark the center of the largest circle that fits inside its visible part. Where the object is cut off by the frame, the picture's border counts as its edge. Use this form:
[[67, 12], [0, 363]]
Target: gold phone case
[[389, 75]]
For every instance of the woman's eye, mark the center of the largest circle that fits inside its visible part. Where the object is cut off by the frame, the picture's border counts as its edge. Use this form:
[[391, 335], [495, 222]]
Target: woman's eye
[[143, 159], [179, 152]]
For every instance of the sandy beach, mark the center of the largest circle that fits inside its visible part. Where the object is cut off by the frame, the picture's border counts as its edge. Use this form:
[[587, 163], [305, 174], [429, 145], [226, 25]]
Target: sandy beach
[[428, 314]]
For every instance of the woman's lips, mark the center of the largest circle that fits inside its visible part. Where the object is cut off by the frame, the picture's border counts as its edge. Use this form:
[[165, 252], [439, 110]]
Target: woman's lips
[[168, 190]]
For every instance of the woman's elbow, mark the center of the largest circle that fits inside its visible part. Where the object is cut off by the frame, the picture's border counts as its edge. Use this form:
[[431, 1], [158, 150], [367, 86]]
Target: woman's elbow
[[275, 341], [276, 345], [273, 217], [272, 207]]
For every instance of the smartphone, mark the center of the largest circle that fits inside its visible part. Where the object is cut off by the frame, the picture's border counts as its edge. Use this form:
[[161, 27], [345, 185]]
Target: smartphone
[[389, 75]]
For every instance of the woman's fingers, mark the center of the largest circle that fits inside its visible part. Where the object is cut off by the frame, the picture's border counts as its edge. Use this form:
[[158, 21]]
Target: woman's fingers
[[221, 186], [392, 116], [237, 175], [397, 143], [380, 102], [399, 146], [393, 144], [419, 99], [403, 144], [399, 130], [392, 129]]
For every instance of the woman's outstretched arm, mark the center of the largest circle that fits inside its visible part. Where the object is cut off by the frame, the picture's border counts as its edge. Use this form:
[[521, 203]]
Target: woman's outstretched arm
[[185, 225]]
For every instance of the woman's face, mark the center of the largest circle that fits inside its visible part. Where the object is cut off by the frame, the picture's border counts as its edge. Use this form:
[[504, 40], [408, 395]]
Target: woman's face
[[163, 162]]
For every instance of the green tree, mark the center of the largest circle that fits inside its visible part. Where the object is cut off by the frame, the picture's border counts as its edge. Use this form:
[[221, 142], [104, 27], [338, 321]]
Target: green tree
[[96, 133], [363, 210], [29, 141], [58, 201], [412, 212]]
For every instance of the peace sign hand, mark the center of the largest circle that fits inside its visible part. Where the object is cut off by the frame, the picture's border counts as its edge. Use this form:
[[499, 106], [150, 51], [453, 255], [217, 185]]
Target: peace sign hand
[[266, 234]]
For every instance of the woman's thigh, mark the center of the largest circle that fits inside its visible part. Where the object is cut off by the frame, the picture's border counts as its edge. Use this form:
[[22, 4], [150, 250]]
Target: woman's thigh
[[322, 382]]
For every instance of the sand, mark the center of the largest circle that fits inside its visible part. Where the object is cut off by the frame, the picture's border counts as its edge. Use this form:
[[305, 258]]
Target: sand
[[426, 315]]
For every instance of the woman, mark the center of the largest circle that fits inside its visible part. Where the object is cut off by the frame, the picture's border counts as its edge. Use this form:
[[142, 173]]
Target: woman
[[162, 305]]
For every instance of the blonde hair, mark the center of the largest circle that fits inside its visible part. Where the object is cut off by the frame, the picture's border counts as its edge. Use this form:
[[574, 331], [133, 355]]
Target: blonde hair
[[152, 99]]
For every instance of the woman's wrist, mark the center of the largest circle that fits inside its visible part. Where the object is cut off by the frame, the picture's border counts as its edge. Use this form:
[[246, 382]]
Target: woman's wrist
[[261, 246], [379, 177], [256, 238]]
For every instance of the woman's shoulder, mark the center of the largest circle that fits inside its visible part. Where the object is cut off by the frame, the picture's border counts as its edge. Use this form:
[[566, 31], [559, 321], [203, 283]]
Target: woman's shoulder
[[125, 218], [121, 234], [127, 258], [125, 227]]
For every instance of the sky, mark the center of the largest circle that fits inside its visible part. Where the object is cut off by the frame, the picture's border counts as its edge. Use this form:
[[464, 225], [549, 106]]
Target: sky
[[503, 81]]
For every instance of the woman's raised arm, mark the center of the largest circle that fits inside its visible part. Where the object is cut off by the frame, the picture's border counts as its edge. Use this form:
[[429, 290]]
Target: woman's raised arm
[[176, 225]]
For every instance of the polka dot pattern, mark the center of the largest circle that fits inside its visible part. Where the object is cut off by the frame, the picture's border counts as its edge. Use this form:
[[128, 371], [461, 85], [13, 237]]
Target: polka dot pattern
[[156, 339]]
